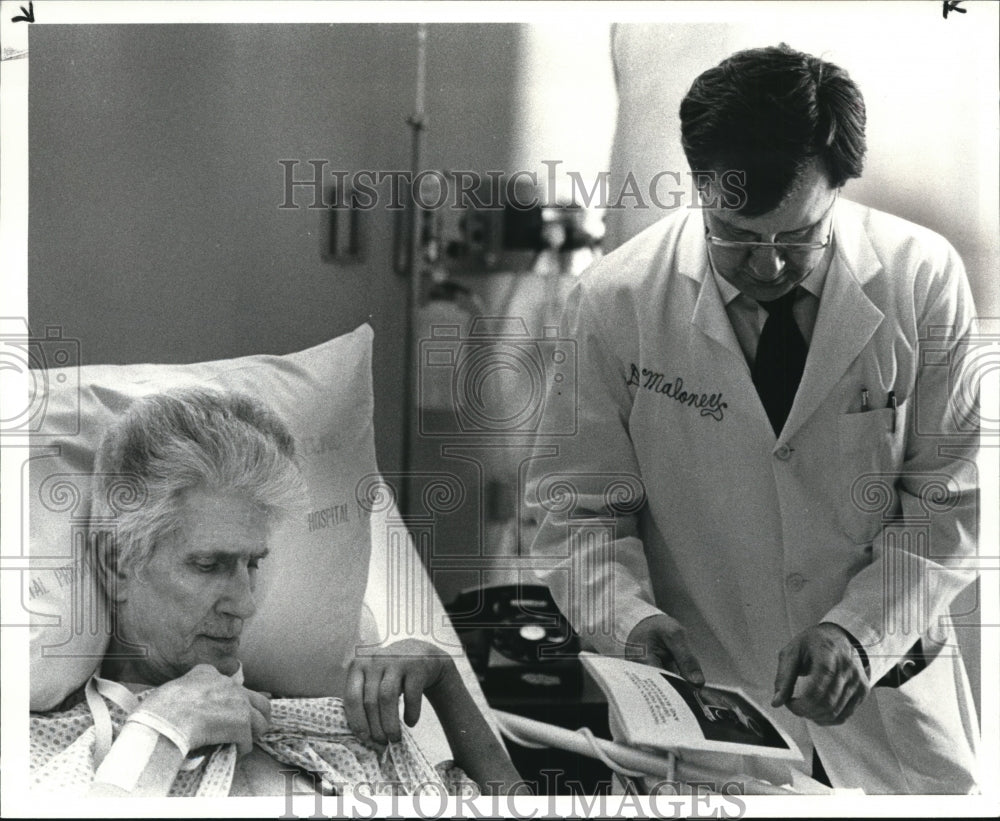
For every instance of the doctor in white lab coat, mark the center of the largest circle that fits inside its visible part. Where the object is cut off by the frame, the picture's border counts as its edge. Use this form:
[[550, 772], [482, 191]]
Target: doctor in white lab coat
[[810, 560]]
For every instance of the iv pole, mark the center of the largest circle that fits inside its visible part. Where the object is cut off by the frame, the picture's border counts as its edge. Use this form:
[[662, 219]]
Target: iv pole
[[414, 271]]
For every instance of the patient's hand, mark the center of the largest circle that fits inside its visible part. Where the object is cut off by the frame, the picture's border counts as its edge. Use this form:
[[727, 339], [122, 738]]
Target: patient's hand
[[412, 667], [375, 682], [211, 708]]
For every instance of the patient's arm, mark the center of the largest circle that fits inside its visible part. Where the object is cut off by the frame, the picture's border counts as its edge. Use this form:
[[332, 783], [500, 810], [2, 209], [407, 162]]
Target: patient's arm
[[475, 748], [412, 668], [201, 708]]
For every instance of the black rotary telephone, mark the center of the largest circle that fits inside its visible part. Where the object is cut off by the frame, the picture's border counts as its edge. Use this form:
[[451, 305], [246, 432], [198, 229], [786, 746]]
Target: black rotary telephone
[[517, 640]]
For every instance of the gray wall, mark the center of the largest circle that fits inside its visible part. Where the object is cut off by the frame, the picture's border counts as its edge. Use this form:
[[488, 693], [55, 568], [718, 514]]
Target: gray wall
[[155, 232]]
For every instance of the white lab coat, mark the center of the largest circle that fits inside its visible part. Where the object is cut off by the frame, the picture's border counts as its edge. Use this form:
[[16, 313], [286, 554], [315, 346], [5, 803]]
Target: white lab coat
[[671, 493]]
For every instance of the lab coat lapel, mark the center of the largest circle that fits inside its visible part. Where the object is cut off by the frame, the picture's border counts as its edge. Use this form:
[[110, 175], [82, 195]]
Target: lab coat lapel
[[725, 358], [846, 321], [711, 319]]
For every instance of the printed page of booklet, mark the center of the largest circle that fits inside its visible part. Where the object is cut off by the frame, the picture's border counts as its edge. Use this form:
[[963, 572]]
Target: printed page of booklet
[[657, 709]]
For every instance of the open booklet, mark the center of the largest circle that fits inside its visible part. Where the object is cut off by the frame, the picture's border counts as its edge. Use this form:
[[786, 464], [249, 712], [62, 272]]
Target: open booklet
[[657, 709]]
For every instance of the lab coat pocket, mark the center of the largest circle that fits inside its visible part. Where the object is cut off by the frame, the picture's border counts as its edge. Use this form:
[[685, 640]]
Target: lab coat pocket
[[926, 721], [870, 458]]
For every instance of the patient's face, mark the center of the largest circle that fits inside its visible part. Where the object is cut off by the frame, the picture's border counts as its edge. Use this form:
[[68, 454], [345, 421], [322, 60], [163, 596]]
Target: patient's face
[[188, 603]]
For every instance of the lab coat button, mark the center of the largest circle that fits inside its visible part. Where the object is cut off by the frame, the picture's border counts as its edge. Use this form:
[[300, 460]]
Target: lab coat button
[[783, 452], [795, 582]]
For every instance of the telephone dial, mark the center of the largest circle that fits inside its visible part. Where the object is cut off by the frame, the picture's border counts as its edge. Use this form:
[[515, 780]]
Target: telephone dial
[[519, 644]]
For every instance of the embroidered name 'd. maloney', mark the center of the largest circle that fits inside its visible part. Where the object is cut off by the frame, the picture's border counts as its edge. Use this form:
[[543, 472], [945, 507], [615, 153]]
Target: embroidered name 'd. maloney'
[[710, 404]]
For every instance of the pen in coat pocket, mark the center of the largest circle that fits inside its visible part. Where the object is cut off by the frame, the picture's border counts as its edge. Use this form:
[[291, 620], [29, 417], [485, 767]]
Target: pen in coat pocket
[[864, 399], [892, 404]]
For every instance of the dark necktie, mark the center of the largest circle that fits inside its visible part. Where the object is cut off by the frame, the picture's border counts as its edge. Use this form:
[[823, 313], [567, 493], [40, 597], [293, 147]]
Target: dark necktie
[[780, 360]]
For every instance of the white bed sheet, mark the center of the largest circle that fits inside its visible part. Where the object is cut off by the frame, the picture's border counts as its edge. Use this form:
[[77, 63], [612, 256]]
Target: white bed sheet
[[400, 602]]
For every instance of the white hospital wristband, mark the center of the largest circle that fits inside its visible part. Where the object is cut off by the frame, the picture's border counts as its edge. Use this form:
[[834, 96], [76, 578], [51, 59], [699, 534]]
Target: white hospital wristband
[[163, 727], [128, 757]]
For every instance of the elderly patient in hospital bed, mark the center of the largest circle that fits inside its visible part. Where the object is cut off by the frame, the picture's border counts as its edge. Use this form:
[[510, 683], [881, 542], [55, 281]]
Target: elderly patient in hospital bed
[[167, 713]]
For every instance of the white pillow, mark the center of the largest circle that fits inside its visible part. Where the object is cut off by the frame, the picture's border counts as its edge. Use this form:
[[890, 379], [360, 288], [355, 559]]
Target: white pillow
[[303, 635]]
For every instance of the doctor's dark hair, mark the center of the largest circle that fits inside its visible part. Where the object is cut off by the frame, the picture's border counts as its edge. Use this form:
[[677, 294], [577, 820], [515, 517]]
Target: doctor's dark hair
[[170, 443], [767, 112]]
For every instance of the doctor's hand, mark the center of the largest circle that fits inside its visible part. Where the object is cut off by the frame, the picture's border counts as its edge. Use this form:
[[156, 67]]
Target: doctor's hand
[[407, 668], [835, 682], [666, 645]]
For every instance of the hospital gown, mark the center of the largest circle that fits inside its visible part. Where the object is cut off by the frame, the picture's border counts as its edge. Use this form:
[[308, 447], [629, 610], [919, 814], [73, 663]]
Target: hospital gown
[[309, 733]]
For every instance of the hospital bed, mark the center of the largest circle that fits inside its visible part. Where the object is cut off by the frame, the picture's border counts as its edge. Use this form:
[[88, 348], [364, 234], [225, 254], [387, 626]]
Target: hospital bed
[[646, 768]]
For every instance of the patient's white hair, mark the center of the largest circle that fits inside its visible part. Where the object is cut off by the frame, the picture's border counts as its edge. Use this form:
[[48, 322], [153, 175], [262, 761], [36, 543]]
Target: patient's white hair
[[170, 443]]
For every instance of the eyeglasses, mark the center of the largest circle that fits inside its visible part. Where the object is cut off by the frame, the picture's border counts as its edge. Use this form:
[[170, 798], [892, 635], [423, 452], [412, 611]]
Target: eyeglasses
[[734, 252]]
